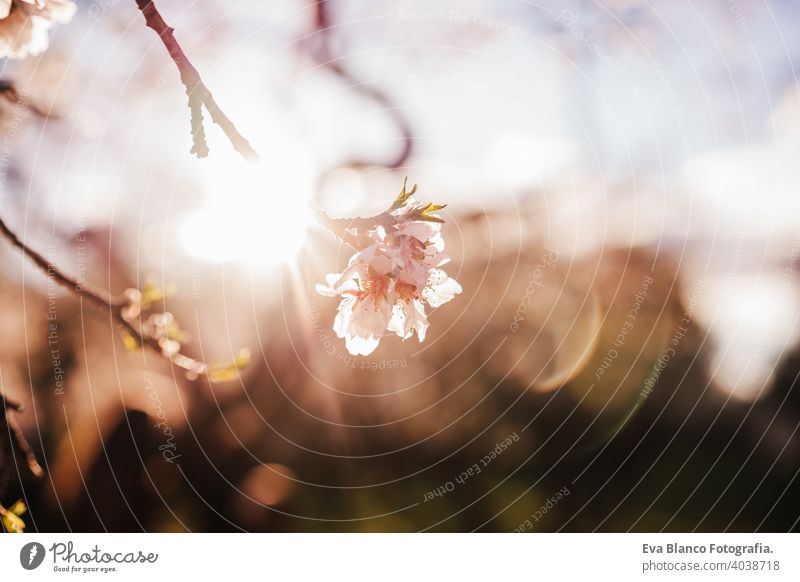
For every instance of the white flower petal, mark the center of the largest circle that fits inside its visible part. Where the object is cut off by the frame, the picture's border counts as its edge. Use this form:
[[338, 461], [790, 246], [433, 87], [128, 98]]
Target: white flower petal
[[361, 346], [409, 317], [405, 255], [325, 290], [24, 26], [340, 283], [439, 259], [418, 320], [364, 256], [371, 316], [440, 292], [382, 264], [422, 231], [344, 316], [397, 324]]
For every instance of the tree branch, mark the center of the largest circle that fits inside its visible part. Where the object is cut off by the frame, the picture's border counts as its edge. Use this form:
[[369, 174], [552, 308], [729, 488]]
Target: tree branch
[[95, 296], [10, 92], [355, 231], [9, 408], [197, 92], [323, 54], [124, 311]]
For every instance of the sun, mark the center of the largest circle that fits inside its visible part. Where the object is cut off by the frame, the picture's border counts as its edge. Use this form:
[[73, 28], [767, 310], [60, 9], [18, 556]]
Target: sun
[[255, 213]]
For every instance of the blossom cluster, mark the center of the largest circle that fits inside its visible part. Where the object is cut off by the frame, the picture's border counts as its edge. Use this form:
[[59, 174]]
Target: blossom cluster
[[25, 25], [395, 272]]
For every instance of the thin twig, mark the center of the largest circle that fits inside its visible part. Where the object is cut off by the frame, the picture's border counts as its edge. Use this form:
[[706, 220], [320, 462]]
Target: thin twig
[[116, 306], [9, 404], [324, 56], [355, 231], [94, 295], [9, 408], [349, 230], [10, 92], [196, 90]]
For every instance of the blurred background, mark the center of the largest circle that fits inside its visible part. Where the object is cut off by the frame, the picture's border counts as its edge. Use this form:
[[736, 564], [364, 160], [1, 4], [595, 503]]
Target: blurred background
[[623, 215]]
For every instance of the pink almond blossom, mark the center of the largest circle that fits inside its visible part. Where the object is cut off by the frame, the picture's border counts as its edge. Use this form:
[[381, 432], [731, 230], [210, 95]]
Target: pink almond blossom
[[25, 25], [388, 282]]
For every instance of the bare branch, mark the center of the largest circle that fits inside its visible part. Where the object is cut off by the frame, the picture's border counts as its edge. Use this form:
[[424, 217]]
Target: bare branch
[[354, 231], [196, 90], [10, 92], [96, 296], [323, 54], [9, 408]]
